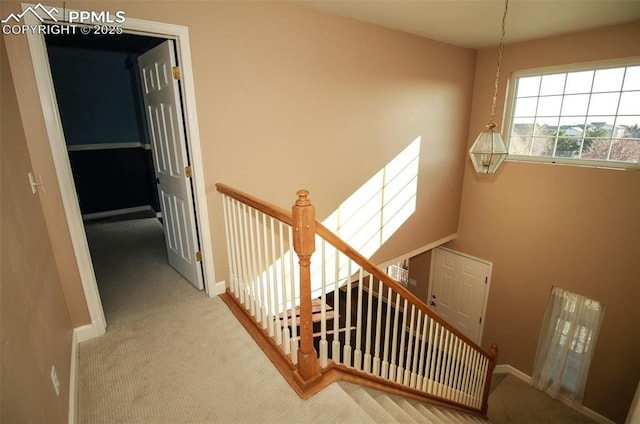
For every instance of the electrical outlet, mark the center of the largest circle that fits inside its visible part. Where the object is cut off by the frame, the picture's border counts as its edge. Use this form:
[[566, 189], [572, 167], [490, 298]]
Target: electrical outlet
[[54, 379]]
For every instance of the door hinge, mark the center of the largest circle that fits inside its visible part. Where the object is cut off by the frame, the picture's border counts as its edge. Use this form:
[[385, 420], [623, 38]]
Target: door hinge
[[198, 256], [486, 280], [480, 320], [187, 171], [176, 72]]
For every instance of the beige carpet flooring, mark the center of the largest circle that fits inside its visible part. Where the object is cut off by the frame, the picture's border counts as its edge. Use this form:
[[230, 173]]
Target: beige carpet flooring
[[171, 354]]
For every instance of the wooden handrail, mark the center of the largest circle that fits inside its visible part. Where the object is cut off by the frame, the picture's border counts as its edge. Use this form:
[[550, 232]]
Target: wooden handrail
[[256, 203]]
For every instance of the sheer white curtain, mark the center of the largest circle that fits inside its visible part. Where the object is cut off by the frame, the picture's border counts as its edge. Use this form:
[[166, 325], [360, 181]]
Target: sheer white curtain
[[567, 340]]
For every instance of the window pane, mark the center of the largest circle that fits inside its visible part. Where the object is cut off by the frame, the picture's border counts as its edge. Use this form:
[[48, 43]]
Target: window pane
[[519, 145], [526, 107], [600, 126], [542, 146], [522, 126], [629, 103], [596, 149], [575, 105], [632, 78], [604, 104], [631, 126], [573, 126], [579, 82], [608, 80], [552, 84], [568, 147], [528, 86], [546, 127], [549, 106], [625, 150]]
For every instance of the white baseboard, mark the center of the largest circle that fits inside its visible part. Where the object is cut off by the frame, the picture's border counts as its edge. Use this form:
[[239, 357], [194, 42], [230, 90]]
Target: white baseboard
[[73, 375], [117, 212], [508, 369], [80, 334], [218, 288]]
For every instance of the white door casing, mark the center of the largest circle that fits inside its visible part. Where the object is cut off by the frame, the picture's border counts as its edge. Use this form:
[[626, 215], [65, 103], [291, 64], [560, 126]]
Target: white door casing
[[458, 289], [163, 109]]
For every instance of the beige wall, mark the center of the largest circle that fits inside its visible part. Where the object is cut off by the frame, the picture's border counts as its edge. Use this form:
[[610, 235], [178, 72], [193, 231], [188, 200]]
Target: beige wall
[[289, 97], [544, 225], [35, 324], [419, 271]]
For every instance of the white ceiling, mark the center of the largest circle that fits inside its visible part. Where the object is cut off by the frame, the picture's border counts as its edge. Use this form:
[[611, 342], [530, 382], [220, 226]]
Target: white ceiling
[[477, 23]]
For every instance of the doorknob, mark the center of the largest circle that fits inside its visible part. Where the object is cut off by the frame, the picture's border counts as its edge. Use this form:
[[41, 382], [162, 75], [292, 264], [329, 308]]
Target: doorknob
[[432, 303], [433, 296]]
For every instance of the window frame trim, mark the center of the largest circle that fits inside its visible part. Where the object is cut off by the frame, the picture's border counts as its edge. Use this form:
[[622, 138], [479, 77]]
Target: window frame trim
[[550, 70]]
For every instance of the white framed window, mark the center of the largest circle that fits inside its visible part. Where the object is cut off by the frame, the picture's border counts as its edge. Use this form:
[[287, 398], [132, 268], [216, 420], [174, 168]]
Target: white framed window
[[586, 114]]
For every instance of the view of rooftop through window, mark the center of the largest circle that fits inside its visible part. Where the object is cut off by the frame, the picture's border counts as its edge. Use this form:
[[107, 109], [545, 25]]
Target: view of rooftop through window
[[589, 115]]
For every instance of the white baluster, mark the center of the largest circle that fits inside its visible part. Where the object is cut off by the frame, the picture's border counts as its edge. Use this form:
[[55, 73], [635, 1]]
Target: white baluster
[[416, 350], [400, 371], [323, 312], [286, 332], [265, 265], [250, 304], [423, 347], [227, 224], [376, 353], [466, 384], [428, 367], [450, 358], [439, 353], [394, 345], [294, 327], [367, 349], [347, 344], [257, 269], [407, 369], [357, 359], [274, 284], [335, 345], [387, 335]]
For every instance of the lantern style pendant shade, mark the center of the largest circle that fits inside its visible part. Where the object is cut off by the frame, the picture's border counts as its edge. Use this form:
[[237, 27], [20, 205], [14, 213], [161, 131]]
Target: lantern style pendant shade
[[488, 151]]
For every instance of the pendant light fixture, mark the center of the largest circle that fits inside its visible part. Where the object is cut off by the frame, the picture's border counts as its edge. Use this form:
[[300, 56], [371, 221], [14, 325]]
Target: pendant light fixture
[[489, 151]]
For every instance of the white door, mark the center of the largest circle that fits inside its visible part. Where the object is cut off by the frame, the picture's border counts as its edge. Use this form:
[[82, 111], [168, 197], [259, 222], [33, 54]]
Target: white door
[[458, 288], [166, 129]]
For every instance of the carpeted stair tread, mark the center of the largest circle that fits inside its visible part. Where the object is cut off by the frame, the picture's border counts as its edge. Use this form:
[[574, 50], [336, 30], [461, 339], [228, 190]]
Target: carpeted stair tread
[[371, 406], [394, 409]]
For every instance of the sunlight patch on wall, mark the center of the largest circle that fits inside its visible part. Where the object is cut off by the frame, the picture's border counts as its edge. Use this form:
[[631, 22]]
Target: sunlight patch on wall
[[374, 212]]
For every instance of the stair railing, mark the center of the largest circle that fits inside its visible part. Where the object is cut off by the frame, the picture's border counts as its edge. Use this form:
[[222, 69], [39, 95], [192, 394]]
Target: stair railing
[[333, 309]]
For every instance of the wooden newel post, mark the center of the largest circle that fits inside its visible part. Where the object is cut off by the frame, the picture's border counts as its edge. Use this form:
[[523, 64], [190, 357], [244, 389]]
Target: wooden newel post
[[493, 357], [304, 243]]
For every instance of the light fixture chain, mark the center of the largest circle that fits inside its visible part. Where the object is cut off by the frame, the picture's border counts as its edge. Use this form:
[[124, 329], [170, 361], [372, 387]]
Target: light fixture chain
[[492, 122]]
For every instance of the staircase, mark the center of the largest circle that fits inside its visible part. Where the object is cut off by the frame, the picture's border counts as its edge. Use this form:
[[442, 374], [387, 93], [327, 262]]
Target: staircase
[[387, 408]]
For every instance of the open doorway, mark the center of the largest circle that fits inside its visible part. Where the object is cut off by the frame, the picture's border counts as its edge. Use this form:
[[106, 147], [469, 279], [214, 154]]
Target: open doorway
[[37, 48], [118, 155], [100, 97]]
